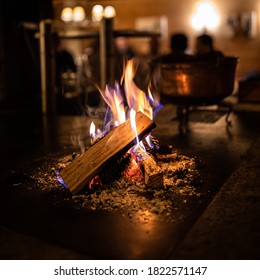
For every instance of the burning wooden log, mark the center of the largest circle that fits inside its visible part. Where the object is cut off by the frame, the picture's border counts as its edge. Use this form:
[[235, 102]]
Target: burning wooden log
[[118, 141], [153, 175]]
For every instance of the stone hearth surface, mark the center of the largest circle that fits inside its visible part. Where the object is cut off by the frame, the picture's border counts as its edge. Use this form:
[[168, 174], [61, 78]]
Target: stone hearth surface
[[223, 224]]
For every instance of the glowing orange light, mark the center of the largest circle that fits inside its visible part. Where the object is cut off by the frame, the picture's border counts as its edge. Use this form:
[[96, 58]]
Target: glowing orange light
[[206, 17], [136, 100], [78, 14]]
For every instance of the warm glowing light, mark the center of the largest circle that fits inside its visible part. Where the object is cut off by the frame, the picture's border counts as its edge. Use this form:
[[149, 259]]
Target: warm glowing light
[[97, 12], [156, 105], [120, 105], [78, 14], [183, 81], [136, 98], [109, 12], [133, 125], [205, 17], [119, 108], [67, 14], [115, 100], [92, 130]]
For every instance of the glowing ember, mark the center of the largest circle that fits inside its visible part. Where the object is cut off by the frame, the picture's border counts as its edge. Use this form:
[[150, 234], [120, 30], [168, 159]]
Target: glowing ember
[[133, 171]]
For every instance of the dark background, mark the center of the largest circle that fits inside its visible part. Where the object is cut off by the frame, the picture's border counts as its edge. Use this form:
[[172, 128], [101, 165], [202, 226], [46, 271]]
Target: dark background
[[19, 51]]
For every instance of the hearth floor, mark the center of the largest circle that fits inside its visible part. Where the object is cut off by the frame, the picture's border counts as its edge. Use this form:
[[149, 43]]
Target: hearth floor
[[37, 224]]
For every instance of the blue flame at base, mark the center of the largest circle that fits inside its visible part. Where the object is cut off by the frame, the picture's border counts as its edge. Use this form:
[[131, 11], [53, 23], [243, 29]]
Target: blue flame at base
[[59, 178]]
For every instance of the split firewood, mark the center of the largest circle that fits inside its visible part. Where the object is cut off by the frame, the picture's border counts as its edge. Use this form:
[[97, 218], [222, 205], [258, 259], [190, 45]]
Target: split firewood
[[118, 141], [153, 175]]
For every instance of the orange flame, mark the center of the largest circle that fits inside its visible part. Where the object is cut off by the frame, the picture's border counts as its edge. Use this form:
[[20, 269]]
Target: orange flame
[[115, 101], [138, 144], [133, 97], [136, 98]]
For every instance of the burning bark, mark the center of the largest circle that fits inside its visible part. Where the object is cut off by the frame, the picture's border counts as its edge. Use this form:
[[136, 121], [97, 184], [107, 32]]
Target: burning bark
[[118, 141]]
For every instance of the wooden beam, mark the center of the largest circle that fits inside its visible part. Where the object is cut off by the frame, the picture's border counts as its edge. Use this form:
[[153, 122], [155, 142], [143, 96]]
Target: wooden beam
[[118, 141]]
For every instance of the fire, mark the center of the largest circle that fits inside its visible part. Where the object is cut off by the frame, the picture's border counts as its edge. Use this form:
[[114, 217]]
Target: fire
[[92, 130], [133, 125], [136, 98], [122, 101], [121, 106], [114, 99]]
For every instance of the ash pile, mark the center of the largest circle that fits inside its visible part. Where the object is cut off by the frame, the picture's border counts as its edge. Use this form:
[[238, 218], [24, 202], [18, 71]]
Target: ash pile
[[122, 187]]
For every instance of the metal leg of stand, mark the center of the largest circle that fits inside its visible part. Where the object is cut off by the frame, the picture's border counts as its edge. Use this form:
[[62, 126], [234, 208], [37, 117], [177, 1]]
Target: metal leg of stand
[[228, 122], [183, 117]]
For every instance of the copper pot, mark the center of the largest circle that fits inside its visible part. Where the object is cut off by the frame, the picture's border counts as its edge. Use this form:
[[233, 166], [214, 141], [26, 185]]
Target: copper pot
[[202, 82]]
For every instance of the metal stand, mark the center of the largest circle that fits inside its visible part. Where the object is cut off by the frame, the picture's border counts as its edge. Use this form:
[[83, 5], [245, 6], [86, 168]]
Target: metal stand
[[230, 110], [184, 110]]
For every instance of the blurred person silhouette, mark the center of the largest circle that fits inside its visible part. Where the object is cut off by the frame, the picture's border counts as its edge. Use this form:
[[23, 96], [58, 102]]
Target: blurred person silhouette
[[64, 58], [178, 54], [205, 50], [65, 61], [88, 77], [65, 75]]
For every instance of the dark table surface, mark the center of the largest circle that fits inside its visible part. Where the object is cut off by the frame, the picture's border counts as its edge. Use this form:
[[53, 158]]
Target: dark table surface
[[35, 223]]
